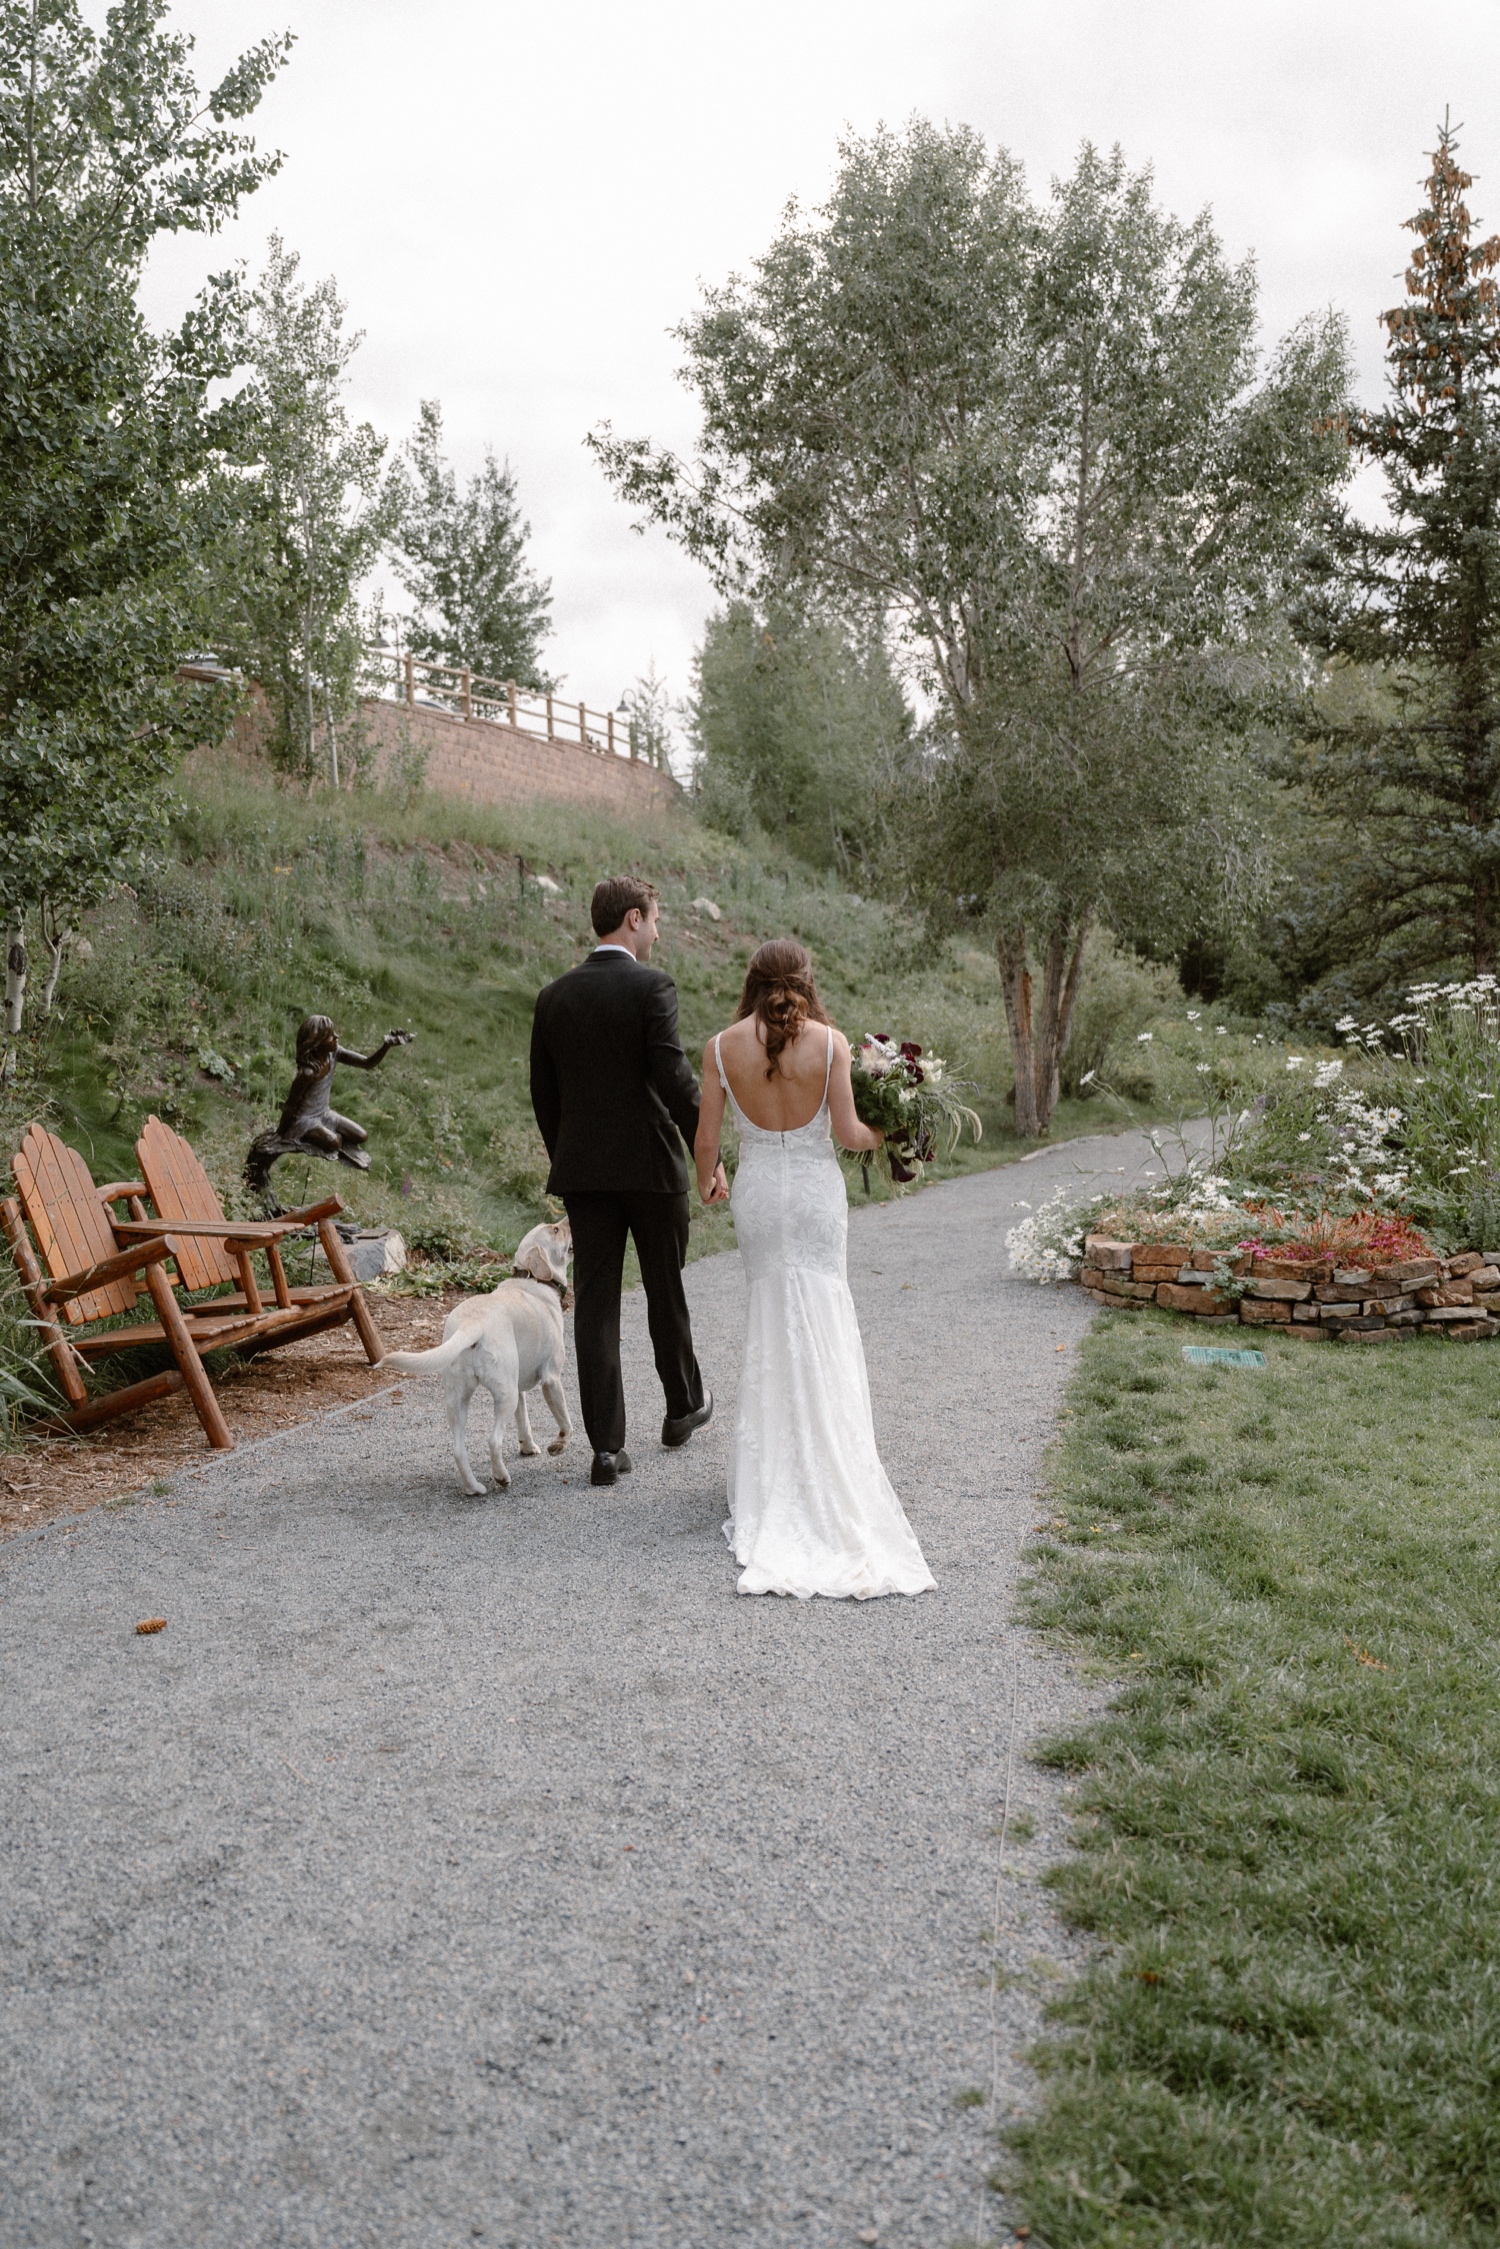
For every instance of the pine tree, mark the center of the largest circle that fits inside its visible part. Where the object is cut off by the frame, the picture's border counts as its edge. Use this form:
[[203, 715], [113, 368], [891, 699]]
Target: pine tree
[[1414, 765], [461, 555]]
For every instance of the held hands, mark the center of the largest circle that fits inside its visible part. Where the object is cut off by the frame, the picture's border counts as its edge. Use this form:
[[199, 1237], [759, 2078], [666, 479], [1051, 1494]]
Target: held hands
[[717, 1190]]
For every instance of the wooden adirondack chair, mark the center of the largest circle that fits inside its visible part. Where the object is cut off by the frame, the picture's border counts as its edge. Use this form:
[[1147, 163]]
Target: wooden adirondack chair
[[92, 1274], [211, 1250], [88, 1266]]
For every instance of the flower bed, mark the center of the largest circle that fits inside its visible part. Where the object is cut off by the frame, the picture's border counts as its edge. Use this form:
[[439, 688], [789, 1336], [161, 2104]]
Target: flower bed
[[1303, 1295]]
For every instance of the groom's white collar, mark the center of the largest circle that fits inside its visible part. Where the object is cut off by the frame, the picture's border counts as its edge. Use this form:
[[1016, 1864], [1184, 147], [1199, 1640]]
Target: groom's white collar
[[625, 949]]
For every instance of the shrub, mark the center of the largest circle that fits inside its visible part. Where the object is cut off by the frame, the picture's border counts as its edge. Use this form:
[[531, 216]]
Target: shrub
[[1447, 1082], [1121, 994]]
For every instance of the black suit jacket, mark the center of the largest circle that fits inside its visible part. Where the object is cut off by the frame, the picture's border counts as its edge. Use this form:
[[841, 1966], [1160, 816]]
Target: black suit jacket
[[610, 1084]]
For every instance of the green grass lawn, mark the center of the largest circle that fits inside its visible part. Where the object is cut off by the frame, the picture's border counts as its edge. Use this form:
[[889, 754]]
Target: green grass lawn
[[1290, 1829]]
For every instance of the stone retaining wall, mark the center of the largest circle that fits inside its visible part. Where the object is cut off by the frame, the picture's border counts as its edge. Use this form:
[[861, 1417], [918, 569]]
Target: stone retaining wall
[[1454, 1296]]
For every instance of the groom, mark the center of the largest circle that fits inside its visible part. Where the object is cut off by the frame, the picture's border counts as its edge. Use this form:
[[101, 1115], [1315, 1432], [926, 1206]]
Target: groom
[[612, 1092]]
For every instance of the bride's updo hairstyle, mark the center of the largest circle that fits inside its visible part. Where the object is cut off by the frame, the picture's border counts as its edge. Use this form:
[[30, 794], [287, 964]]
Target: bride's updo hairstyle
[[781, 995]]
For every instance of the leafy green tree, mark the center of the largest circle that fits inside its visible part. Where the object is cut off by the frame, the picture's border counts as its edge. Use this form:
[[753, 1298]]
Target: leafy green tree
[[1036, 444], [313, 513], [800, 729], [651, 714], [460, 553], [106, 437], [1405, 741]]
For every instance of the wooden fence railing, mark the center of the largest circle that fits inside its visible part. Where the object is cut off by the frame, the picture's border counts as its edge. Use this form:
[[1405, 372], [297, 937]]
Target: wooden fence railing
[[499, 702]]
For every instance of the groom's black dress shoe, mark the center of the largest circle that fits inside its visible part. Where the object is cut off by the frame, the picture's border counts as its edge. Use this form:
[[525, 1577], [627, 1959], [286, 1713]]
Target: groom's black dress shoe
[[678, 1432], [608, 1467]]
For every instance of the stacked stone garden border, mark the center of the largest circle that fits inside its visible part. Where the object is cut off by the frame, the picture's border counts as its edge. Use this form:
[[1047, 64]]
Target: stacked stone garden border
[[1454, 1296]]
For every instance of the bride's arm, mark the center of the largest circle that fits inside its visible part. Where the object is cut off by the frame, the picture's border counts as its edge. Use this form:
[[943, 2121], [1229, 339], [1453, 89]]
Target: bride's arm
[[847, 1129], [710, 1124]]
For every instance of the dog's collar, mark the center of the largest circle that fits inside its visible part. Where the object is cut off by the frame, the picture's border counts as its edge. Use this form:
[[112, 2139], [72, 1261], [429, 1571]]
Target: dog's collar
[[551, 1281]]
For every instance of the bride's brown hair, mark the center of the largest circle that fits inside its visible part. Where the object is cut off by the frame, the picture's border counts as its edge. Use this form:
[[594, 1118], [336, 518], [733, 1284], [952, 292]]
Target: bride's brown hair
[[781, 995]]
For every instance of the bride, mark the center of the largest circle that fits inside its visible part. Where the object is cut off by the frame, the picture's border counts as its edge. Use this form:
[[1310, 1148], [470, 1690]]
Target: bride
[[812, 1510]]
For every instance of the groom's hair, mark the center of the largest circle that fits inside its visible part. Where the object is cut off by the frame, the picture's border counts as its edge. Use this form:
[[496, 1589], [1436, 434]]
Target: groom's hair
[[613, 899]]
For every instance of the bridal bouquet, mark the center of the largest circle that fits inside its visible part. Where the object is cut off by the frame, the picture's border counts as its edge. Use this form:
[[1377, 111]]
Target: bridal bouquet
[[909, 1096]]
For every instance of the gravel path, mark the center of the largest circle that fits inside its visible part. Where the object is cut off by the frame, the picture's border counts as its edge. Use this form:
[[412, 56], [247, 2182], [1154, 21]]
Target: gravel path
[[487, 1871]]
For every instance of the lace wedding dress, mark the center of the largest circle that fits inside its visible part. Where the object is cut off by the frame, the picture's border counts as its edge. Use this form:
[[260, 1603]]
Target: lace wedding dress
[[811, 1509]]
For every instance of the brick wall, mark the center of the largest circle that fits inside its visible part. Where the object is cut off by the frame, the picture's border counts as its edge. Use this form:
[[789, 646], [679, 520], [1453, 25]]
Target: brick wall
[[501, 765]]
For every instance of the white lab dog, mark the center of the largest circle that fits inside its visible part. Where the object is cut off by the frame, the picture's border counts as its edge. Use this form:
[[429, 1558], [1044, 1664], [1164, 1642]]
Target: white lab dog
[[507, 1342]]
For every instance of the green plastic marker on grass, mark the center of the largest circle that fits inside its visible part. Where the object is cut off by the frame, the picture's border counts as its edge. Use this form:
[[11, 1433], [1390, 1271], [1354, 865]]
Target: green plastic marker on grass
[[1209, 1355]]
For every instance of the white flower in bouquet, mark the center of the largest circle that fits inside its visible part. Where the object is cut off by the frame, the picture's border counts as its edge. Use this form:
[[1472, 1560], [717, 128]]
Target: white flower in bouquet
[[901, 1090]]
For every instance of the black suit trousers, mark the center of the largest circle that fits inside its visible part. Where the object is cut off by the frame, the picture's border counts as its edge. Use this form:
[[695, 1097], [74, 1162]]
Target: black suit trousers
[[659, 1225]]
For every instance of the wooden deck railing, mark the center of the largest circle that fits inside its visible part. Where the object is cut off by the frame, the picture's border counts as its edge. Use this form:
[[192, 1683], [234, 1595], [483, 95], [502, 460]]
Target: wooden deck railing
[[499, 702]]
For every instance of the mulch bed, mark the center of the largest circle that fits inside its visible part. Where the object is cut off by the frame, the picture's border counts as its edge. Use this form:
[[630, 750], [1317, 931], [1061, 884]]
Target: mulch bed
[[51, 1476]]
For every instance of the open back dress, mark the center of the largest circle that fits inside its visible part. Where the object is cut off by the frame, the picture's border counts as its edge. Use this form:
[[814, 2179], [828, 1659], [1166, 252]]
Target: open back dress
[[811, 1509]]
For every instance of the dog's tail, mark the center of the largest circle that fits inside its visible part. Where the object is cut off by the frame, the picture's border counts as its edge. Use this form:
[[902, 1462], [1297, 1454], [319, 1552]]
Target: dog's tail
[[438, 1359]]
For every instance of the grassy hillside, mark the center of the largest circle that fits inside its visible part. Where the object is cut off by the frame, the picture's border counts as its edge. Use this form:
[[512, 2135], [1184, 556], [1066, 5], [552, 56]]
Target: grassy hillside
[[428, 916]]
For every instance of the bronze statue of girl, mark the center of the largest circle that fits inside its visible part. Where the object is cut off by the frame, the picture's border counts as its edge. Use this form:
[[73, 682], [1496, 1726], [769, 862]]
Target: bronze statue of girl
[[309, 1123]]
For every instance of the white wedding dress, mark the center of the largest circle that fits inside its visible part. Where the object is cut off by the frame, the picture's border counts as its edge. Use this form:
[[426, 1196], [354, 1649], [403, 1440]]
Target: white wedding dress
[[811, 1509]]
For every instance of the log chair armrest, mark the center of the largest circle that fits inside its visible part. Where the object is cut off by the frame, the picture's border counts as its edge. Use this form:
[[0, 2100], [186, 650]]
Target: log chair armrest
[[133, 1259], [328, 1208], [121, 1190]]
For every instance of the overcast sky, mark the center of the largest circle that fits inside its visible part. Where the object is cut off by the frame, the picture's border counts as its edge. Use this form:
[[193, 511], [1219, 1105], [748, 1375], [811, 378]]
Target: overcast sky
[[519, 202]]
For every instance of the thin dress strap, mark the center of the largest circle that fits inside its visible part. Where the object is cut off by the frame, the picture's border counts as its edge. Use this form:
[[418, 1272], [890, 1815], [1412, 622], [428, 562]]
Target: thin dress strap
[[828, 1071], [719, 1064]]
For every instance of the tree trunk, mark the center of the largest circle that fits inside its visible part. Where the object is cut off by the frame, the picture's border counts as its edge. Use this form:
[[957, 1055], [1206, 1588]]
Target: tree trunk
[[55, 936], [15, 974], [1059, 995], [15, 990], [307, 686], [1039, 1042], [1015, 981], [1483, 946]]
